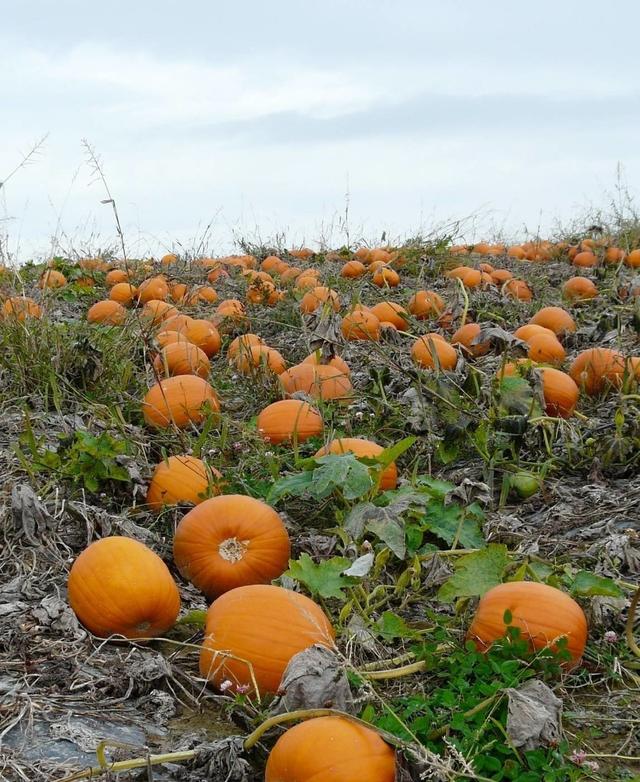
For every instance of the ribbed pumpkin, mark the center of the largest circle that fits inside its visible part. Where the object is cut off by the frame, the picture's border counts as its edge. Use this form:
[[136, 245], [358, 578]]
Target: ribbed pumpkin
[[118, 586], [577, 289], [177, 322], [260, 358], [361, 447], [288, 420], [543, 614], [560, 392], [264, 626], [109, 312], [361, 324], [596, 369], [317, 297], [426, 304], [115, 276], [432, 351], [123, 293], [319, 381], [546, 349], [153, 288], [336, 362], [156, 311], [386, 277], [517, 289], [179, 401], [555, 319], [390, 312], [203, 294], [466, 335], [330, 749], [181, 358], [230, 541], [353, 269], [204, 335], [243, 343], [529, 330], [181, 480]]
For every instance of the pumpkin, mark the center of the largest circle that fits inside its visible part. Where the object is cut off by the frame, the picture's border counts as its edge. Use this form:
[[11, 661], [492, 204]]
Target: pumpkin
[[352, 269], [52, 279], [179, 401], [169, 259], [366, 448], [181, 480], [203, 294], [230, 541], [290, 274], [178, 292], [560, 392], [386, 277], [242, 344], [633, 259], [204, 335], [546, 349], [390, 312], [516, 251], [529, 330], [306, 281], [319, 381], [431, 351], [577, 289], [260, 357], [181, 358], [352, 752], [543, 613], [123, 293], [466, 336], [108, 312], [585, 259], [303, 254], [155, 311], [361, 324], [555, 319], [178, 322], [263, 627], [613, 255], [517, 289], [153, 288], [336, 362], [20, 308], [596, 369], [261, 292], [164, 338], [217, 273], [115, 276], [500, 276], [289, 420], [118, 586], [426, 304], [318, 296]]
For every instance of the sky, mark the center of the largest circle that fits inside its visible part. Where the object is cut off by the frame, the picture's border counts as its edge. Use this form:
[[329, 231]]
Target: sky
[[254, 119]]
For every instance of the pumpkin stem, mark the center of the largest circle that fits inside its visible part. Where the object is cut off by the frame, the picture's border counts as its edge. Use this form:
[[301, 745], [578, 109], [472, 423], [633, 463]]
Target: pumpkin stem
[[631, 641], [232, 549], [396, 673]]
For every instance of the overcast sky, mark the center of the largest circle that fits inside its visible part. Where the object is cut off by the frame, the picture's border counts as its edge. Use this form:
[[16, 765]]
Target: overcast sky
[[261, 116]]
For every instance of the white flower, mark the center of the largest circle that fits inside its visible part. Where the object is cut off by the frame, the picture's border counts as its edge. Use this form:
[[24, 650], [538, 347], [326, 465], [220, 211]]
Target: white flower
[[225, 685], [610, 637]]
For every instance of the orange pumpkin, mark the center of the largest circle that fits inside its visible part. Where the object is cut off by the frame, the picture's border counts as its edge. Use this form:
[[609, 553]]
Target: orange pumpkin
[[543, 614], [390, 312], [386, 277], [178, 292], [178, 322], [596, 369], [115, 276], [431, 351], [336, 362], [633, 259], [260, 358], [426, 304], [577, 289], [319, 381], [560, 392], [353, 752], [155, 311], [123, 293], [361, 324], [230, 541], [529, 330], [179, 401], [204, 335], [52, 279], [118, 586], [585, 259], [500, 276], [153, 288], [555, 319], [352, 269], [319, 296], [289, 420], [466, 335], [181, 480], [169, 259], [109, 312], [204, 294], [181, 358], [263, 627], [516, 251], [517, 289], [613, 255], [366, 448], [546, 349], [243, 343]]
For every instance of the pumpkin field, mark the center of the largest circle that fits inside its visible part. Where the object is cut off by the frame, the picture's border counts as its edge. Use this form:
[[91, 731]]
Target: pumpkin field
[[354, 514]]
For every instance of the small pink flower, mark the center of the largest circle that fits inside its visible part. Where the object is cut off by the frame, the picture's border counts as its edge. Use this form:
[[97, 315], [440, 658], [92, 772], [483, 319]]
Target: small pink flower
[[578, 756], [225, 685], [610, 637], [242, 688]]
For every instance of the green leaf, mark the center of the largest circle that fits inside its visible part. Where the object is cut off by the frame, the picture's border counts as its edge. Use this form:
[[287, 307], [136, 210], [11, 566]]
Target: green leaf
[[325, 579], [391, 626], [391, 453], [476, 573], [587, 584], [451, 521], [391, 532], [290, 486]]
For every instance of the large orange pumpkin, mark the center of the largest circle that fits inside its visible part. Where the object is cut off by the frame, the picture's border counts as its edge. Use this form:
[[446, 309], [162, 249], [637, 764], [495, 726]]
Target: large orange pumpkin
[[426, 304], [431, 351], [390, 312], [230, 541], [153, 288], [263, 627], [466, 335], [319, 381], [353, 269], [260, 358], [52, 279], [205, 335], [351, 752], [108, 312], [181, 480], [555, 319], [155, 311], [546, 349], [243, 343], [181, 358], [596, 369], [633, 259], [361, 324], [577, 289], [118, 586], [318, 297], [289, 420], [560, 392], [367, 448], [179, 401], [20, 308], [543, 613], [336, 362], [123, 293]]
